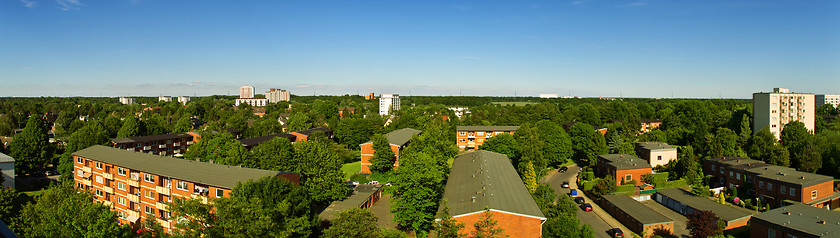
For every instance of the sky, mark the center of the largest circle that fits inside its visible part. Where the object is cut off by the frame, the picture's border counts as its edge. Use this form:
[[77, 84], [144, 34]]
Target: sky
[[588, 48]]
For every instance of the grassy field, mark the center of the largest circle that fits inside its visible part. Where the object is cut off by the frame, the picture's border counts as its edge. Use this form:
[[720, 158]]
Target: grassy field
[[350, 169]]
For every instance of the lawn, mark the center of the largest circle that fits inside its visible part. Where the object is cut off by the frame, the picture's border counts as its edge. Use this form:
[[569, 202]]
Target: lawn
[[350, 169]]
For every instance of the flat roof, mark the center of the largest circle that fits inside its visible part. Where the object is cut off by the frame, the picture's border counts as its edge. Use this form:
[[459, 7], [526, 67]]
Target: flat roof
[[361, 194], [141, 139], [5, 158], [400, 137], [254, 141], [790, 175], [732, 161], [308, 132], [702, 203], [804, 218], [487, 128], [625, 161], [636, 210], [218, 175], [655, 145], [483, 179]]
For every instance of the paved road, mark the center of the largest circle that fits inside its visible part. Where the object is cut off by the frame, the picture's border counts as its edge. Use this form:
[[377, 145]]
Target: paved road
[[600, 221]]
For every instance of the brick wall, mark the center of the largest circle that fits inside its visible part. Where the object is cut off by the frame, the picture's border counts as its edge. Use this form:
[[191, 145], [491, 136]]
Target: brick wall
[[513, 225]]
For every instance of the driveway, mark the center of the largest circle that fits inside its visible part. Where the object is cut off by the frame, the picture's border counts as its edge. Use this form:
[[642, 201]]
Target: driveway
[[599, 219]]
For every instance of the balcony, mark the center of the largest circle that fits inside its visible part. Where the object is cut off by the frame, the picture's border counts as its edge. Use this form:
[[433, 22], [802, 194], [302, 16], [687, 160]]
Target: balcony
[[107, 203], [202, 198], [162, 146], [132, 213], [165, 223], [133, 183], [108, 189], [163, 190], [86, 169], [133, 197], [161, 206], [86, 182], [190, 142], [108, 176], [147, 147], [176, 144]]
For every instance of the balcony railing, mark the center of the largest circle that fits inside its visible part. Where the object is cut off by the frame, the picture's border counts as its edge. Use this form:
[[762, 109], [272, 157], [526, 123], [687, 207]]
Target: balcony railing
[[86, 169], [108, 176], [134, 197], [202, 198], [132, 213], [107, 203], [190, 142], [176, 144], [133, 183], [165, 223], [86, 182], [162, 146], [108, 189], [161, 206], [147, 147], [163, 190]]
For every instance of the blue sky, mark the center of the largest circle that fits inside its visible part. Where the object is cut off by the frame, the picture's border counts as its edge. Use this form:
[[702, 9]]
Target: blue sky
[[701, 49]]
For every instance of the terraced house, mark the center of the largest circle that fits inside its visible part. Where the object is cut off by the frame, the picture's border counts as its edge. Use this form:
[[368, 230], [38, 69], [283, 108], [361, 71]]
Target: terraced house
[[136, 185], [471, 137]]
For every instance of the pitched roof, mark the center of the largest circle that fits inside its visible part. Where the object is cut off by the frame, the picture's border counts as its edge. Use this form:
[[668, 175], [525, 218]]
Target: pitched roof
[[5, 158], [400, 137], [704, 204], [625, 161], [805, 219], [189, 170], [790, 175], [482, 179], [636, 210], [655, 145], [254, 141], [648, 120], [361, 194], [141, 139], [487, 128], [308, 132]]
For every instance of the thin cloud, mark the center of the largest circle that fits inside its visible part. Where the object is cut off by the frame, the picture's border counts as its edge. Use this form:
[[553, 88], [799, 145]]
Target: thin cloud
[[303, 86], [69, 4], [29, 3]]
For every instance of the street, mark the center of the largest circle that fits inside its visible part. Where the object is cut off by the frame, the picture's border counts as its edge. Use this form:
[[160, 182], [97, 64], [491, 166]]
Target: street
[[597, 218]]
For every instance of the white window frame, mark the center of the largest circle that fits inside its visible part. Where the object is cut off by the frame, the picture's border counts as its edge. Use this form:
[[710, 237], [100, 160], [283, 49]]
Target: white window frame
[[99, 193], [462, 133], [149, 210], [80, 160], [761, 184], [783, 189], [219, 192], [98, 165], [122, 171], [181, 185], [479, 133], [793, 191], [98, 179], [628, 177], [814, 194], [149, 178], [80, 173], [121, 186], [770, 186], [121, 200], [149, 194]]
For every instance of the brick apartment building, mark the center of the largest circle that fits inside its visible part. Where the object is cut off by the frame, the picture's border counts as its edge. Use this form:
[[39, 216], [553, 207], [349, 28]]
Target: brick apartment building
[[139, 184], [163, 144], [685, 203], [471, 137], [482, 180], [252, 142], [776, 185], [649, 125], [656, 153], [796, 220], [305, 134], [397, 139], [623, 167]]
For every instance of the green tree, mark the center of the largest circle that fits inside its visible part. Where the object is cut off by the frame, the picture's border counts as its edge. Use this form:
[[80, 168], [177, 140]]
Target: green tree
[[321, 170], [447, 227], [132, 126], [63, 211], [533, 153], [529, 177], [745, 134], [355, 131], [764, 147], [587, 143], [10, 203], [221, 148], [151, 228], [275, 154], [702, 224], [795, 137], [417, 188], [586, 231], [354, 222], [604, 186], [184, 124], [93, 133], [193, 218], [723, 143], [486, 227], [809, 159], [503, 144], [31, 148], [383, 157], [299, 121], [270, 202], [557, 148]]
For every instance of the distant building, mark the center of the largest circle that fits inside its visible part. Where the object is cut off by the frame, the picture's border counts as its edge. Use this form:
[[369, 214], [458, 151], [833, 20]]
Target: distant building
[[821, 99], [388, 103], [795, 221], [165, 98], [623, 167], [397, 140], [246, 91], [7, 167], [484, 180], [649, 124], [778, 108], [305, 134], [254, 102], [275, 95], [459, 111], [370, 96], [350, 110], [656, 153], [184, 99], [163, 144], [252, 142], [686, 203], [471, 137], [126, 100], [549, 95]]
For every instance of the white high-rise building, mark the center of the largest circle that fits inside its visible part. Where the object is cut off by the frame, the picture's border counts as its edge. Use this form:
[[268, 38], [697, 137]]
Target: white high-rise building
[[821, 99], [184, 99], [165, 98], [275, 95], [246, 91], [778, 108], [388, 103], [126, 100]]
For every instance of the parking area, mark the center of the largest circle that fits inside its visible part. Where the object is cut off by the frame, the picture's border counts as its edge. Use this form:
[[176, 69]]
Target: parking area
[[600, 221]]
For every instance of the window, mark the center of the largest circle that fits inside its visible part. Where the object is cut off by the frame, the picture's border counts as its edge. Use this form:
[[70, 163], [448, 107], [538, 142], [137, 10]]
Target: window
[[121, 171], [121, 214], [149, 194], [149, 178], [462, 133], [182, 185], [628, 177], [480, 133], [121, 200], [738, 176], [98, 179], [771, 233], [80, 173], [783, 189], [121, 186], [80, 185], [99, 193], [80, 160], [150, 210], [98, 165], [480, 140], [792, 191], [461, 140], [219, 193], [731, 174], [791, 236], [814, 194], [770, 187], [761, 184], [659, 157], [714, 168]]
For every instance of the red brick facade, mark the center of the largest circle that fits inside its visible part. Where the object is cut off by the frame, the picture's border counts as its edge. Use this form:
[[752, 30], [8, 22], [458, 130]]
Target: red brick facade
[[513, 225], [472, 139], [367, 154]]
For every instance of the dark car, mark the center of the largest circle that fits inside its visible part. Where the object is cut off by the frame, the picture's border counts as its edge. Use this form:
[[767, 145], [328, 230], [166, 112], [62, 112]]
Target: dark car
[[579, 200], [616, 232], [563, 169], [565, 184], [586, 207]]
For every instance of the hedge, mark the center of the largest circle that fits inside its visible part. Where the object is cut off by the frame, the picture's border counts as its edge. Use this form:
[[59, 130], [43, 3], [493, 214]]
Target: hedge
[[625, 188], [675, 184], [587, 185]]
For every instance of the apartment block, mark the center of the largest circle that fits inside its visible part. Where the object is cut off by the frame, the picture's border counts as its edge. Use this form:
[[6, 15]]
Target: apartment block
[[623, 167], [821, 99], [471, 137], [7, 167], [184, 99], [795, 221], [649, 125], [165, 98], [135, 185], [685, 203], [126, 100], [656, 153], [163, 144], [276, 95], [388, 103], [778, 108], [370, 96], [254, 102], [397, 140], [246, 91], [775, 185]]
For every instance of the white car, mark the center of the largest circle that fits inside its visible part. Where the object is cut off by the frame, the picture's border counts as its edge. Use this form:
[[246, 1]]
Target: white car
[[373, 182]]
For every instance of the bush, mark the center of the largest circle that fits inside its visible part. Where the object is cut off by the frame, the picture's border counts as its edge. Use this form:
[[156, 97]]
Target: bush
[[625, 188], [675, 184], [588, 185], [657, 179]]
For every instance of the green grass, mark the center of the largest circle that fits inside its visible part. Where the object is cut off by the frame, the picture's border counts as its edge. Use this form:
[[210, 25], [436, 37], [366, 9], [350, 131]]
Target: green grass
[[350, 169], [35, 193]]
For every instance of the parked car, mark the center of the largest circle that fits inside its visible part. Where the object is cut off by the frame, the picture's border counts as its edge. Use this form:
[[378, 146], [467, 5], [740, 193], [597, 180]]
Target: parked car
[[51, 172], [352, 183], [586, 207], [616, 232], [579, 200], [563, 169], [565, 184], [573, 192], [373, 182]]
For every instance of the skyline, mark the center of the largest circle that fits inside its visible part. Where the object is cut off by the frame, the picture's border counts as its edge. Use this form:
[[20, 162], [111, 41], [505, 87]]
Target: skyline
[[709, 49]]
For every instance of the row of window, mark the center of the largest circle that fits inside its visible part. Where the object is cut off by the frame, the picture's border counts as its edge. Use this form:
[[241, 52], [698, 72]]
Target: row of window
[[477, 140], [480, 133], [784, 189]]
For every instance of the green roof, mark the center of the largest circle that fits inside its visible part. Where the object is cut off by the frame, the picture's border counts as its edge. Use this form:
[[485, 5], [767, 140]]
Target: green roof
[[636, 210], [625, 161], [482, 179], [400, 137], [803, 218], [487, 128], [652, 145], [217, 175], [361, 194], [790, 175], [724, 212]]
